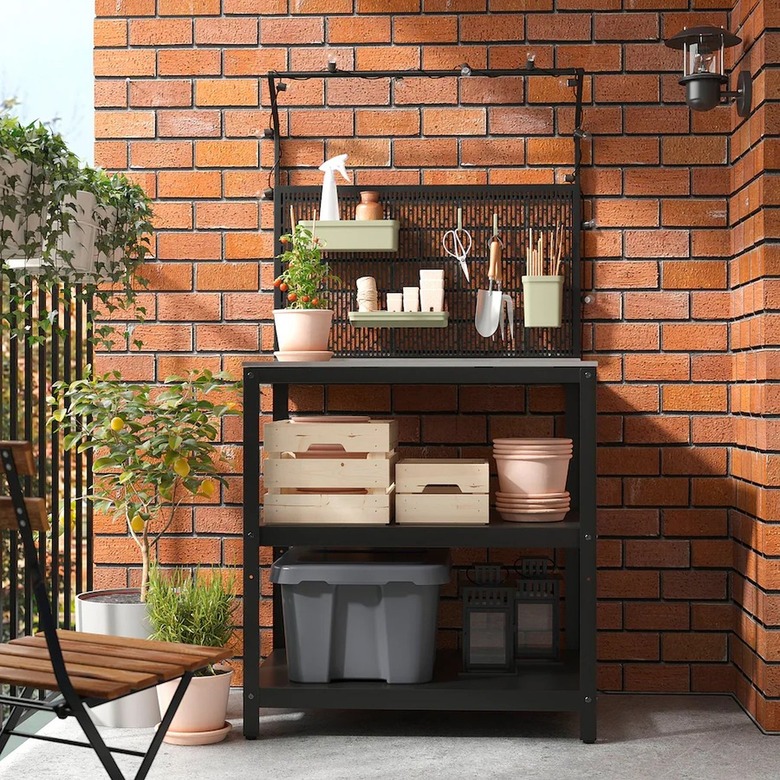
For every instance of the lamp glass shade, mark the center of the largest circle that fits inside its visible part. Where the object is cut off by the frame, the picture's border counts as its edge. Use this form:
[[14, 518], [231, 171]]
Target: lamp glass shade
[[704, 57]]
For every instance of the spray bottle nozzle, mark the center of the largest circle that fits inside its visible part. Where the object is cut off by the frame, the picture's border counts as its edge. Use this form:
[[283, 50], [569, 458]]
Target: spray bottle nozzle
[[336, 163]]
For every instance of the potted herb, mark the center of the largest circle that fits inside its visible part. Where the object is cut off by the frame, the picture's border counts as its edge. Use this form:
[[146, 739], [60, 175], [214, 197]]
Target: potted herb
[[303, 326], [196, 610], [154, 449]]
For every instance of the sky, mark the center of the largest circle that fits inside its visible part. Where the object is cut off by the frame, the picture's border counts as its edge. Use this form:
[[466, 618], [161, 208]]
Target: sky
[[46, 63]]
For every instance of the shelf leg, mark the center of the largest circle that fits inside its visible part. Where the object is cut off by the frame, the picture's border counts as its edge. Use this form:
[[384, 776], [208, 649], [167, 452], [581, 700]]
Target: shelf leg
[[588, 722], [251, 556]]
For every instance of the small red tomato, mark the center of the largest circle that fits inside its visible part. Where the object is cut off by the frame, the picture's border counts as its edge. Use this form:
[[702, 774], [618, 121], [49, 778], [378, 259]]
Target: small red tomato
[[305, 298], [292, 297], [315, 302], [277, 281], [283, 287], [284, 240]]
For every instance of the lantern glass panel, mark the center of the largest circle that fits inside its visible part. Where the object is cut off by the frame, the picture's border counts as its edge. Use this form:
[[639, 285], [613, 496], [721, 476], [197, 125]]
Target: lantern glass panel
[[487, 639], [704, 56], [534, 629]]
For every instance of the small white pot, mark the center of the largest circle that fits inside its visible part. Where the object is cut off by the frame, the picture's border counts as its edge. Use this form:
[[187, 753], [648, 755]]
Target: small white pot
[[303, 330], [95, 615], [202, 711]]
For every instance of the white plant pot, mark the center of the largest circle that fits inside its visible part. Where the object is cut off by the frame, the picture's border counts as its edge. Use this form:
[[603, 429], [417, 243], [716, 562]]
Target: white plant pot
[[303, 330], [97, 616], [202, 711], [15, 178], [81, 235]]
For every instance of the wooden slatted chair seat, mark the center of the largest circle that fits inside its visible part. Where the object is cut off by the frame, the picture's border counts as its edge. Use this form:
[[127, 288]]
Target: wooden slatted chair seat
[[85, 669]]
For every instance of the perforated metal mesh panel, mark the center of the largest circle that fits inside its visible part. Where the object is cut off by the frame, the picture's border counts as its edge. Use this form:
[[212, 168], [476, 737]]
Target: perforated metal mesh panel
[[425, 213]]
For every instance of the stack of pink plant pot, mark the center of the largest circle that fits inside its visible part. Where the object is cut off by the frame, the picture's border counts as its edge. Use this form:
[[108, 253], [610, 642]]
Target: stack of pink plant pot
[[532, 476]]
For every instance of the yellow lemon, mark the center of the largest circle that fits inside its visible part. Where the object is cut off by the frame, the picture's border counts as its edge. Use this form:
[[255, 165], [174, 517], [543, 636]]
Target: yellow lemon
[[182, 467], [137, 524], [208, 487], [117, 423]]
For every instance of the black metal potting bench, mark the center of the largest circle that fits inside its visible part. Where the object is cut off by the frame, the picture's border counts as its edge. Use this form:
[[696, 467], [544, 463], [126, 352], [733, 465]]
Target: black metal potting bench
[[569, 685]]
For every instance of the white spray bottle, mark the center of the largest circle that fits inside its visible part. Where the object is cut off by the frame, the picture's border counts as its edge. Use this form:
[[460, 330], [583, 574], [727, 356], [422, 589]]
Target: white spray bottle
[[329, 205]]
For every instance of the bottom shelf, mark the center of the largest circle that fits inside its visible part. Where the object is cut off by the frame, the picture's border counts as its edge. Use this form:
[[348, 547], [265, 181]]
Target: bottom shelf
[[538, 686]]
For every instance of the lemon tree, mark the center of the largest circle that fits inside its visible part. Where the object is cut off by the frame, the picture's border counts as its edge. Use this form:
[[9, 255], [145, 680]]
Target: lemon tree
[[155, 446]]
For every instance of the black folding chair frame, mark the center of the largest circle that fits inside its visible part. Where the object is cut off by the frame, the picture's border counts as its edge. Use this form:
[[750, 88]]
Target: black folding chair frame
[[70, 703]]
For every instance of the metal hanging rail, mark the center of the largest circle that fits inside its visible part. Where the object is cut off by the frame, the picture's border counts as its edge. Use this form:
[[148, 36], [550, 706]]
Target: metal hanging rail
[[276, 84]]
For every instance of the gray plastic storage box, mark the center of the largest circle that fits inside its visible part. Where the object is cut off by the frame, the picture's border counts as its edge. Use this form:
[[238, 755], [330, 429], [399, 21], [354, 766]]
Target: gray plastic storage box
[[359, 614]]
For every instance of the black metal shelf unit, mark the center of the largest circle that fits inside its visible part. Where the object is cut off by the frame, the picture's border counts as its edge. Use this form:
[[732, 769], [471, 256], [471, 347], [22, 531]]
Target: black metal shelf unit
[[569, 685]]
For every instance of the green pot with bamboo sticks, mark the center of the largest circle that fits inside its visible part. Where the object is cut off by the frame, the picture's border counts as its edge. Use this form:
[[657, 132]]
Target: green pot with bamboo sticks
[[543, 283]]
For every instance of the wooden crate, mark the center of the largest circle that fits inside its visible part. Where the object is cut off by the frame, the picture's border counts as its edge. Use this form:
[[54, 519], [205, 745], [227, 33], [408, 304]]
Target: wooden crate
[[289, 508], [437, 506], [413, 475], [450, 490], [373, 471], [374, 436]]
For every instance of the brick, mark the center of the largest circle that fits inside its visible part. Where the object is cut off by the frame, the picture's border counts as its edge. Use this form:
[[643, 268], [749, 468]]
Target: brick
[[244, 246], [226, 215], [408, 153], [694, 647], [164, 338], [628, 584], [387, 122], [188, 124], [708, 617], [656, 678], [695, 522], [657, 554], [694, 585], [664, 491], [626, 337], [520, 121], [615, 151], [633, 646], [160, 93], [656, 181], [124, 8], [493, 27], [550, 90], [226, 154], [160, 32], [248, 306], [644, 366], [244, 122], [559, 27], [254, 7], [454, 121], [226, 92], [227, 338], [550, 151], [161, 154], [124, 62], [627, 522], [593, 59], [357, 92], [111, 154], [363, 398], [188, 550], [362, 29], [712, 553], [693, 150], [625, 27], [627, 398], [188, 307], [227, 276], [664, 120], [698, 274], [188, 7], [450, 57], [693, 213], [188, 246], [679, 337], [695, 398], [656, 243], [244, 184], [492, 151], [111, 93], [363, 153], [633, 88], [483, 90], [695, 460], [422, 29], [655, 306], [188, 62], [109, 33], [656, 616], [388, 58], [253, 62], [422, 91], [228, 32], [124, 124], [189, 184], [464, 429], [666, 429]]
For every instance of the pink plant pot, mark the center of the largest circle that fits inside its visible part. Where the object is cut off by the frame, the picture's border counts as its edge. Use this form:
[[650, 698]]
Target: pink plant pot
[[535, 474], [303, 330], [204, 706]]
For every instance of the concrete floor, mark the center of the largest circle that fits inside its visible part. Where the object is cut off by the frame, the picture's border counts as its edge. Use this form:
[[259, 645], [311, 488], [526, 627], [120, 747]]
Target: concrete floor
[[640, 738]]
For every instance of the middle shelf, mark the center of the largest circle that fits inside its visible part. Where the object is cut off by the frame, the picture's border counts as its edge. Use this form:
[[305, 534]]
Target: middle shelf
[[497, 533]]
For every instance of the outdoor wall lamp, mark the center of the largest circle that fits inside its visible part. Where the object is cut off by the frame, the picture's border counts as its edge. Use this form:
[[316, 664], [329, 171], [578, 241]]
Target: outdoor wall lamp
[[704, 69]]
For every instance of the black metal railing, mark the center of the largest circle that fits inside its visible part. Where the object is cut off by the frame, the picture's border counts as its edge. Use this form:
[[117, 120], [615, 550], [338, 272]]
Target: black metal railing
[[29, 367]]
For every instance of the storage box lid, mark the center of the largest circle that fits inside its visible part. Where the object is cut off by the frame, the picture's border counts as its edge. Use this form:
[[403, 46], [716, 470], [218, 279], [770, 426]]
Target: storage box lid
[[361, 567]]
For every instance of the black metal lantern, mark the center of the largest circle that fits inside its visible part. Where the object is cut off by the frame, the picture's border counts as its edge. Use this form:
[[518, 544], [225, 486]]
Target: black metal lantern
[[488, 608], [537, 611], [704, 71]]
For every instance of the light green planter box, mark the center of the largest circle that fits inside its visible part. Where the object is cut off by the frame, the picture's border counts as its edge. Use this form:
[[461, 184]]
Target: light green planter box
[[399, 319], [376, 235]]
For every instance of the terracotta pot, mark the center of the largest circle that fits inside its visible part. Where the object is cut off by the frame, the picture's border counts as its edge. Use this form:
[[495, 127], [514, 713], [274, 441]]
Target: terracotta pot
[[303, 330], [535, 474], [203, 708], [369, 207]]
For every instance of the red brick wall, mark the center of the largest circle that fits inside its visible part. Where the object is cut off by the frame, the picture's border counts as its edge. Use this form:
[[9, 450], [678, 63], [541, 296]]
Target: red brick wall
[[755, 232], [181, 106]]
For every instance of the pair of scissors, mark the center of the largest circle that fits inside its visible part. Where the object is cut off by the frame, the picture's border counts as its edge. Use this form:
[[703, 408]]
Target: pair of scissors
[[457, 244]]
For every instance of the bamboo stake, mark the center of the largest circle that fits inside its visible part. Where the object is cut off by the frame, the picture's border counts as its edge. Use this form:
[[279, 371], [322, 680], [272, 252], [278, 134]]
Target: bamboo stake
[[560, 252]]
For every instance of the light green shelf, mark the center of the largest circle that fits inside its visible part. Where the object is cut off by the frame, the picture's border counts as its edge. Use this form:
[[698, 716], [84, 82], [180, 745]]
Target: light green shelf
[[399, 319], [376, 235]]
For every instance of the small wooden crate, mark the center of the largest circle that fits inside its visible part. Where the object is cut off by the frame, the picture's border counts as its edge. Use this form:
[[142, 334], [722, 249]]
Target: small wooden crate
[[451, 491], [294, 475]]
